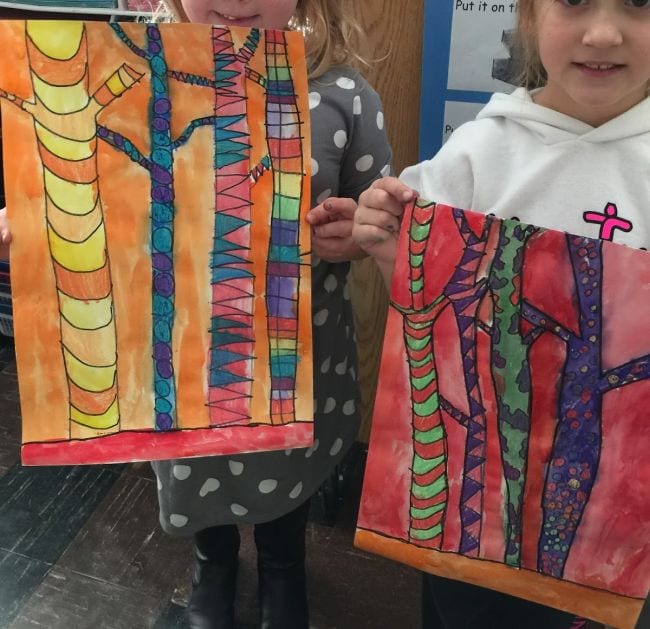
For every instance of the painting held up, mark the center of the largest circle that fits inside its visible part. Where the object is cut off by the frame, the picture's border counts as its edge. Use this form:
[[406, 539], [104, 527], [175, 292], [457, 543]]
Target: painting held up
[[510, 436], [157, 178]]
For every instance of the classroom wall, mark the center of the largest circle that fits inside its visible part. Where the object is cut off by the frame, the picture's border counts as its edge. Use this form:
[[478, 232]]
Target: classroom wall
[[394, 37]]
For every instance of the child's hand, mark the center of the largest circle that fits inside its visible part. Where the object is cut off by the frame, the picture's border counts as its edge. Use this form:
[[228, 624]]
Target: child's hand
[[5, 235], [377, 221], [331, 223]]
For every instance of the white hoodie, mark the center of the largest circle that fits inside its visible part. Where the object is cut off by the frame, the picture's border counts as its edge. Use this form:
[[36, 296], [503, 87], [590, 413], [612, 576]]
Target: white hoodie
[[519, 159]]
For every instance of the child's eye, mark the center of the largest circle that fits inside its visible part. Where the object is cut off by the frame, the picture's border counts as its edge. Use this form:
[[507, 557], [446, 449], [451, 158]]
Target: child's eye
[[573, 3], [639, 4]]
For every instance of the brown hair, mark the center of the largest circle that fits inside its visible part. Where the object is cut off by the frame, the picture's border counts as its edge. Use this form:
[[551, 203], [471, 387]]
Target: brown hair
[[532, 73], [330, 28]]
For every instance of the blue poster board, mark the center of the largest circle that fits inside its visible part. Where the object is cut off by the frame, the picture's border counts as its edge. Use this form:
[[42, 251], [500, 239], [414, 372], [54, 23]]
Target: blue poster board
[[466, 57]]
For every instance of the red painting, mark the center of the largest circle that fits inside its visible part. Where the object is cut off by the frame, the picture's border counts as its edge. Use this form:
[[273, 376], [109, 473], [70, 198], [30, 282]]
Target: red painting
[[510, 436]]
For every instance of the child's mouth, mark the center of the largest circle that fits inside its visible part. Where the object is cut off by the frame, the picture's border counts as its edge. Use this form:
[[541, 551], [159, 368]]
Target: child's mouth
[[602, 69], [236, 20]]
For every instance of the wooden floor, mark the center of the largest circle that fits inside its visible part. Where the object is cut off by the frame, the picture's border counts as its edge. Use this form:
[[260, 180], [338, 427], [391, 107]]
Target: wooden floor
[[81, 547]]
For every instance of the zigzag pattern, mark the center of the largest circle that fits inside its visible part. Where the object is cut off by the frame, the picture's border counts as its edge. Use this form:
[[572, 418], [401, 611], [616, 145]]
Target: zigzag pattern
[[232, 334]]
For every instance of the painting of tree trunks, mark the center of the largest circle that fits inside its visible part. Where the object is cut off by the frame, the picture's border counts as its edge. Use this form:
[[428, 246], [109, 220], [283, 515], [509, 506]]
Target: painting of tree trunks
[[510, 437], [157, 179]]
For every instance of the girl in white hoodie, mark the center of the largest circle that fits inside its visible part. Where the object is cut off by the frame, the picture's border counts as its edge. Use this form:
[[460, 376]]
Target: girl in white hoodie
[[569, 151]]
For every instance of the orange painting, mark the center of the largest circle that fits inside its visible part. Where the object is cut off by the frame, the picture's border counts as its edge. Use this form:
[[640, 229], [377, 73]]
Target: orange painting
[[157, 177]]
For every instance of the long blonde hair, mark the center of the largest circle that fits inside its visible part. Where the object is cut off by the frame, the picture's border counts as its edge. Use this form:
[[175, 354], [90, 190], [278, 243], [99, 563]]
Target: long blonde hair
[[332, 32], [532, 74]]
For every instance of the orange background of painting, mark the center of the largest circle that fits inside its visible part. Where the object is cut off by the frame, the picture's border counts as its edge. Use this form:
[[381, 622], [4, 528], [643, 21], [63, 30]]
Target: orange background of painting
[[125, 192]]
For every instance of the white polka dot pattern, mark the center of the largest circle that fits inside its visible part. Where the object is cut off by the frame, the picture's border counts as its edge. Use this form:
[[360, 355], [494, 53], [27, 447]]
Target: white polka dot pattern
[[314, 100], [321, 197], [321, 317], [181, 472], [336, 446], [380, 119], [340, 138], [210, 485], [364, 163], [326, 364], [356, 105], [178, 520], [236, 467], [349, 407], [312, 449], [267, 486], [345, 83], [238, 509], [296, 491], [330, 405], [330, 283], [314, 167]]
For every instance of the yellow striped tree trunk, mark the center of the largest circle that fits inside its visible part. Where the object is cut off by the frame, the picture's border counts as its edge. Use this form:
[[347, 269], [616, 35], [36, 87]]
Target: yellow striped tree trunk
[[65, 123]]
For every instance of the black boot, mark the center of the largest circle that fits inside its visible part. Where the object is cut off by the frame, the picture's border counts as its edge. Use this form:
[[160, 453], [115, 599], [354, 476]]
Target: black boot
[[214, 577], [281, 571]]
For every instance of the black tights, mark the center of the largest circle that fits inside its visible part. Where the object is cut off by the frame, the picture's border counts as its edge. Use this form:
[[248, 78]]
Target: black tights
[[449, 604]]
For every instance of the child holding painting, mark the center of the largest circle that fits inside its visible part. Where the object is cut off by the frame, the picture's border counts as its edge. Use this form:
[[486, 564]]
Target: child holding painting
[[569, 151], [209, 497]]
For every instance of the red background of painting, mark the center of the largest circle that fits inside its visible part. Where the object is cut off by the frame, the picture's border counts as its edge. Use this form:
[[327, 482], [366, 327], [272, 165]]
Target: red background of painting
[[611, 550]]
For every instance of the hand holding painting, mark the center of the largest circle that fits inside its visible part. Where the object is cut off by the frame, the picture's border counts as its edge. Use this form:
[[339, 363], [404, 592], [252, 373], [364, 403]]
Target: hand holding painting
[[331, 235], [547, 156], [210, 496], [5, 235]]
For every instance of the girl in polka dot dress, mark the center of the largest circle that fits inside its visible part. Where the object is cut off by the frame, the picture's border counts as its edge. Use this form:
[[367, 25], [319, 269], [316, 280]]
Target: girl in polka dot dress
[[209, 497]]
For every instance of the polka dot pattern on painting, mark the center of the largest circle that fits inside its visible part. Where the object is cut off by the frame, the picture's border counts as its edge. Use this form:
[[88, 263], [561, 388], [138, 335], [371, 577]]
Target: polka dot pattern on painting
[[349, 407], [330, 405], [314, 167], [380, 119], [356, 105], [296, 491], [314, 100]]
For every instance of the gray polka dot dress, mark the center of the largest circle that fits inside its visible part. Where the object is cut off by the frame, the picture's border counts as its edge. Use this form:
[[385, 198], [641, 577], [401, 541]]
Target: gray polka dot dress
[[349, 151]]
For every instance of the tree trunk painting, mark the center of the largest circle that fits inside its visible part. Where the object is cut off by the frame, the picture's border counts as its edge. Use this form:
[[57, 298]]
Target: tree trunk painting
[[554, 342], [511, 373], [284, 133], [232, 351], [573, 467], [168, 297], [65, 116]]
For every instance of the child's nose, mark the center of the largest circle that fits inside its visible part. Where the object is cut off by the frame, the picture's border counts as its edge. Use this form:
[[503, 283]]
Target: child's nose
[[603, 30]]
